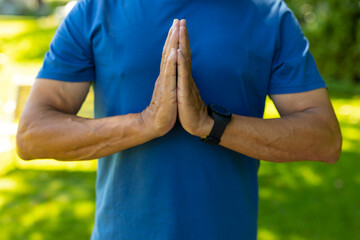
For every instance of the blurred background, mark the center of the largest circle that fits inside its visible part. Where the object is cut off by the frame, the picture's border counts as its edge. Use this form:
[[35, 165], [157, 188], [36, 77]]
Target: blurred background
[[48, 199]]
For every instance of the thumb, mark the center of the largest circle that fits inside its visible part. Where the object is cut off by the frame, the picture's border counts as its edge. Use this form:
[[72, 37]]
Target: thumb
[[183, 73], [170, 71]]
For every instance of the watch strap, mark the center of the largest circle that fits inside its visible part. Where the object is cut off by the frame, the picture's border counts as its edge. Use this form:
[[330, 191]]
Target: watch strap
[[220, 123], [219, 126]]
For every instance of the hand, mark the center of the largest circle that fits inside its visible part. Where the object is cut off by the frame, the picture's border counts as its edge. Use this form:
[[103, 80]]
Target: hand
[[192, 110], [160, 116]]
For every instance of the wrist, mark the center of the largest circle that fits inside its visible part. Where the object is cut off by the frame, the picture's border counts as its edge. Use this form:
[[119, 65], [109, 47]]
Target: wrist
[[205, 127], [148, 131], [221, 117]]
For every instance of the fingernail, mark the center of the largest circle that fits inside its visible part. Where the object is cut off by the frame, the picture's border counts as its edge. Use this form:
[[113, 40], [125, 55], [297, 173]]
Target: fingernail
[[174, 21]]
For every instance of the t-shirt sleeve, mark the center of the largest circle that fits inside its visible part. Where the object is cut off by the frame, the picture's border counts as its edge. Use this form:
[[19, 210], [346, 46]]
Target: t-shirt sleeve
[[293, 68], [70, 55]]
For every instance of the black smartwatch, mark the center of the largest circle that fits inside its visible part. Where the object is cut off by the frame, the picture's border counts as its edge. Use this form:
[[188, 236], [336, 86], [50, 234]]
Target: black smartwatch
[[221, 117]]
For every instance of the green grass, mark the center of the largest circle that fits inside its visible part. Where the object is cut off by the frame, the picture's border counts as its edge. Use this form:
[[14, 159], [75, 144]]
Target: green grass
[[38, 204], [47, 199]]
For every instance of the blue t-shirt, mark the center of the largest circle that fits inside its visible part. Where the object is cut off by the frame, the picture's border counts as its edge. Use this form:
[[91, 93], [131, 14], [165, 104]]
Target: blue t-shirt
[[177, 187]]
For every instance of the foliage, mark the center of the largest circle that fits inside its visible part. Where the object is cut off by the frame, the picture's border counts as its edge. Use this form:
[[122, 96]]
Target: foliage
[[332, 27], [25, 39], [52, 205]]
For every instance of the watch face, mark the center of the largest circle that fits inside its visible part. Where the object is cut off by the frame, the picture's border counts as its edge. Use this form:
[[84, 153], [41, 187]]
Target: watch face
[[220, 110], [211, 140]]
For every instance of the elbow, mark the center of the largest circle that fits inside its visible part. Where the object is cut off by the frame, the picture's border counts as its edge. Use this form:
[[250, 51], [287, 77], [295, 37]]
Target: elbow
[[332, 151], [22, 148], [24, 144], [333, 158], [23, 155], [335, 154]]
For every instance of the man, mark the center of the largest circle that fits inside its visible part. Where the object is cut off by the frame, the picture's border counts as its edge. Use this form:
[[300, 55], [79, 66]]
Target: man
[[156, 178]]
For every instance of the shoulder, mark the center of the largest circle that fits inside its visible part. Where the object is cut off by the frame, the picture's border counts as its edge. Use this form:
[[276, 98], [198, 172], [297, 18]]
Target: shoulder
[[268, 4], [271, 8], [92, 7], [86, 14], [266, 11]]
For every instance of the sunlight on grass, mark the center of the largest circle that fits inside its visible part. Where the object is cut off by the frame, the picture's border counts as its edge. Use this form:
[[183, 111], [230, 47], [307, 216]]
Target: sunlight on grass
[[13, 184], [2, 201], [49, 164], [11, 26], [348, 110], [351, 132], [36, 236], [46, 204], [83, 209], [309, 176], [25, 38], [265, 234], [348, 113], [38, 212], [265, 193], [7, 184]]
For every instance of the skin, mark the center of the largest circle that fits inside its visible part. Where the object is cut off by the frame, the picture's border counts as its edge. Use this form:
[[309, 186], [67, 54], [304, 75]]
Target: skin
[[49, 127], [307, 130]]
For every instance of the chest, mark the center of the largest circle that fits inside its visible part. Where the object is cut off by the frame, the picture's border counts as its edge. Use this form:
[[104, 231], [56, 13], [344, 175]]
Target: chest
[[231, 52]]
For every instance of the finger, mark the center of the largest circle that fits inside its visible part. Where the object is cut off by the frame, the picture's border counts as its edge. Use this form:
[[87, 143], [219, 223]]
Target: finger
[[174, 38], [169, 80], [184, 43], [168, 37], [183, 74], [163, 58]]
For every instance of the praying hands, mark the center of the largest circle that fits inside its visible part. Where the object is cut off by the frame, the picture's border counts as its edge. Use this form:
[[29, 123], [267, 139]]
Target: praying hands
[[175, 93]]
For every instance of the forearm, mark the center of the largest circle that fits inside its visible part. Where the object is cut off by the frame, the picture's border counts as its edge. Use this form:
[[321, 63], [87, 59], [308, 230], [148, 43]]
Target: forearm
[[61, 136], [304, 136], [48, 127]]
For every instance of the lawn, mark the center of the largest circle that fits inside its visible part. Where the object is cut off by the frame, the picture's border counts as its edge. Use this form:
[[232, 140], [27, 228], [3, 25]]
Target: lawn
[[53, 200]]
